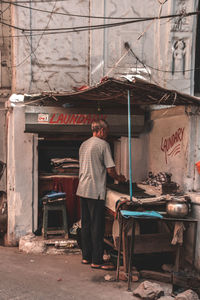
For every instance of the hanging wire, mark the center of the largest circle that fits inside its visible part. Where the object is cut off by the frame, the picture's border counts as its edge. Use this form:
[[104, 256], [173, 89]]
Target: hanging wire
[[101, 26], [84, 28], [69, 14]]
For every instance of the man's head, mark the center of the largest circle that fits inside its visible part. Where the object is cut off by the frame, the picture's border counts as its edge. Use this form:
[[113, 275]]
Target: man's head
[[100, 129]]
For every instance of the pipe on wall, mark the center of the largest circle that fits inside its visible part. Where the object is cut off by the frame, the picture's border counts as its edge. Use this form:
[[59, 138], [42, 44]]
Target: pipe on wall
[[33, 186]]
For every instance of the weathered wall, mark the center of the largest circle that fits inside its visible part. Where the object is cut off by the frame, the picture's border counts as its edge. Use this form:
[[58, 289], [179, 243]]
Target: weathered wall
[[181, 47], [5, 90], [193, 177], [138, 157], [22, 178], [65, 60], [3, 148], [145, 39], [164, 49], [171, 146], [55, 61], [5, 82], [5, 47], [168, 143]]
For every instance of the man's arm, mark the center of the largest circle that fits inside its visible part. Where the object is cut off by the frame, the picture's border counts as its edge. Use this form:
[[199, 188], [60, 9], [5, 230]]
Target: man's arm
[[112, 173]]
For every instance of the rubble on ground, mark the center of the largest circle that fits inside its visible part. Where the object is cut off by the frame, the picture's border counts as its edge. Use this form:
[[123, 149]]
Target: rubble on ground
[[31, 243], [187, 295], [149, 291], [166, 298], [152, 291]]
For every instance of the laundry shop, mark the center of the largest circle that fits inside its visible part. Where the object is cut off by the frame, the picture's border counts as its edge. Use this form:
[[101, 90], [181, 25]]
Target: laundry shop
[[45, 132]]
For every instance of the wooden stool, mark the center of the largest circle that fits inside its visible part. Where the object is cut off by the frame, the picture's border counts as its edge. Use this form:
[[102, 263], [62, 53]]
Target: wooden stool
[[59, 230]]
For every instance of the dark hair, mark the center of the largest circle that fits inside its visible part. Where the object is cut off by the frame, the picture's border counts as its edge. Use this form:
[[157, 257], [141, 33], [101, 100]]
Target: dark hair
[[97, 125]]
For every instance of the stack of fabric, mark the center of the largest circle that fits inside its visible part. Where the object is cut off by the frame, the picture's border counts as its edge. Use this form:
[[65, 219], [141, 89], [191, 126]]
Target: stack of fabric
[[65, 165], [53, 196]]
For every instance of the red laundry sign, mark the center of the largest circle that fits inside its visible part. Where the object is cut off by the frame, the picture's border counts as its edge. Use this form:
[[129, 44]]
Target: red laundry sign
[[75, 119]]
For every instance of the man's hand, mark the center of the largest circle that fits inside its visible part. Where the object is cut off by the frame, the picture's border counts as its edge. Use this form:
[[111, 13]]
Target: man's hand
[[121, 178], [112, 173]]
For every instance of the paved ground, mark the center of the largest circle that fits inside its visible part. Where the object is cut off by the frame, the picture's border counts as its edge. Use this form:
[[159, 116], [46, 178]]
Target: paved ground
[[42, 276]]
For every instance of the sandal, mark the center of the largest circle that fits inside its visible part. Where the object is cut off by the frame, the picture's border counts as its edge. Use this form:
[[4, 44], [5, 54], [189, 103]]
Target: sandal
[[85, 262], [94, 266], [107, 267]]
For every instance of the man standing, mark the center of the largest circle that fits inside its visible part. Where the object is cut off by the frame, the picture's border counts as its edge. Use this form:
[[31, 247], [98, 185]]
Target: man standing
[[95, 160]]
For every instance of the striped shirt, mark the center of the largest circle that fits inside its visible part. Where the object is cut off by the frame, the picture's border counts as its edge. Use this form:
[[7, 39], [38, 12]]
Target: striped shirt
[[94, 158]]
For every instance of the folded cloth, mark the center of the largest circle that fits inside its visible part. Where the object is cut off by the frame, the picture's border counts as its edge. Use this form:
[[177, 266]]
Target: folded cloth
[[54, 195], [178, 233], [58, 161], [137, 214], [120, 202]]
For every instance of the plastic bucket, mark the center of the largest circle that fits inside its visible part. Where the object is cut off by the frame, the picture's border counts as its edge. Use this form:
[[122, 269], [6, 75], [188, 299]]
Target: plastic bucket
[[198, 166]]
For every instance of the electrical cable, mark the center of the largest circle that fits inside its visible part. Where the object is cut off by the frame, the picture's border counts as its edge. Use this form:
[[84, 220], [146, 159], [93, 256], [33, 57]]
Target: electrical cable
[[69, 14], [127, 47], [33, 51], [12, 26], [31, 48], [39, 1], [119, 23], [66, 29], [2, 11], [101, 26], [146, 65], [4, 44]]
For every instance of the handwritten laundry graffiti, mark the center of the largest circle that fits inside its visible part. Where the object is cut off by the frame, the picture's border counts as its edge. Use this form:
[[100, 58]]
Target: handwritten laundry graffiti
[[171, 146]]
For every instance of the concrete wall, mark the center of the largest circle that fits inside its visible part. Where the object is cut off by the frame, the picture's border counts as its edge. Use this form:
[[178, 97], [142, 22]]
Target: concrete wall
[[3, 146], [193, 176], [168, 143], [21, 178], [50, 62], [179, 159], [65, 60], [138, 157], [5, 82], [5, 88], [171, 146], [5, 48]]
